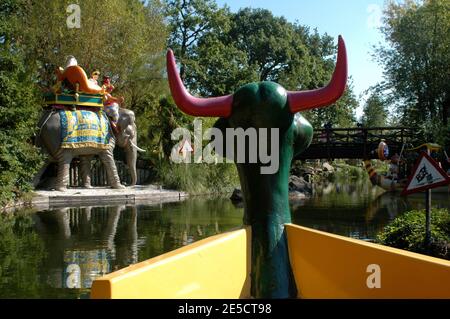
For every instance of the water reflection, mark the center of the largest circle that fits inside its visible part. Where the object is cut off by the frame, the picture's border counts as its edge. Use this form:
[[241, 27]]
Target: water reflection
[[78, 244], [357, 210], [57, 253], [85, 240]]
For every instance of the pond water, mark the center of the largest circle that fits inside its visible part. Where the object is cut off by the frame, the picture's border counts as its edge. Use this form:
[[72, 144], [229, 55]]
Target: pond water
[[57, 253]]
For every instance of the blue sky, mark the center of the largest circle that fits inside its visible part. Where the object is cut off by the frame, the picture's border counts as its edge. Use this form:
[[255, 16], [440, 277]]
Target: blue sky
[[356, 20]]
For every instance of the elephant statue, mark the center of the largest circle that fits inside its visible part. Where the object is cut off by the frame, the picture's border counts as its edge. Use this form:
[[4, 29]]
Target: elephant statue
[[50, 139]]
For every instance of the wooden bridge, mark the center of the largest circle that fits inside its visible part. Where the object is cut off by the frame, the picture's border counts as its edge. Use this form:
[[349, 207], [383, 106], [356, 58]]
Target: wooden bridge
[[359, 142]]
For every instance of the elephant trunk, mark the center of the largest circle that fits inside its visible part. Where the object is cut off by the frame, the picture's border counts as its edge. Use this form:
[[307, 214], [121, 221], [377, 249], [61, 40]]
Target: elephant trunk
[[128, 140]]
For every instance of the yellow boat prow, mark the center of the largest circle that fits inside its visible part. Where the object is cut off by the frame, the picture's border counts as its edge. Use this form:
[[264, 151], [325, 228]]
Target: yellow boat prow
[[324, 266], [215, 267], [332, 266]]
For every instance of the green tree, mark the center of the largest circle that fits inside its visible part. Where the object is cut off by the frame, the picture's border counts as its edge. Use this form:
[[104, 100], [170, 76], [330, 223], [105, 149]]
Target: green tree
[[417, 63], [261, 47], [231, 49], [254, 45], [189, 21], [124, 39], [19, 108], [374, 113], [166, 117], [340, 114]]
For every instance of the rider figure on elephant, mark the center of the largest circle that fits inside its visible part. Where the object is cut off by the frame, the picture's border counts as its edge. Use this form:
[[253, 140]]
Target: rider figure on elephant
[[111, 103], [94, 77]]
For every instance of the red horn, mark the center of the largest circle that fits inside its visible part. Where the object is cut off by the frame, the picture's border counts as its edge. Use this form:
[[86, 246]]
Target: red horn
[[305, 100], [212, 107]]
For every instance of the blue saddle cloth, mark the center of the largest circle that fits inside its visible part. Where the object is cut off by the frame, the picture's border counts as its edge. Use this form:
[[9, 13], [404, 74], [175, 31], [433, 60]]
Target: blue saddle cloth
[[82, 128]]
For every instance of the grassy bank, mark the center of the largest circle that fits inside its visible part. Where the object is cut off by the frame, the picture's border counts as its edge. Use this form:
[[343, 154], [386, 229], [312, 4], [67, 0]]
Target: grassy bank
[[198, 178]]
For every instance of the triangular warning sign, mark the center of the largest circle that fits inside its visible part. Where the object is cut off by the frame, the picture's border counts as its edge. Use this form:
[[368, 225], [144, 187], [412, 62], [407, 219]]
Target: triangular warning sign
[[426, 174], [185, 148]]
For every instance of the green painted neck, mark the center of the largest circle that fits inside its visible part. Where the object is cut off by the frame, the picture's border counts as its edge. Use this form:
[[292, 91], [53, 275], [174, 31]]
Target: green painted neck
[[265, 195], [266, 209], [264, 105]]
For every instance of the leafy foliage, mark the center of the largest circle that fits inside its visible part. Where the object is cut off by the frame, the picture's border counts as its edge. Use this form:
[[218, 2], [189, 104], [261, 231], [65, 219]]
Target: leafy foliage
[[189, 21], [375, 113], [156, 123], [19, 107], [408, 232], [111, 33], [253, 45], [417, 63], [340, 114]]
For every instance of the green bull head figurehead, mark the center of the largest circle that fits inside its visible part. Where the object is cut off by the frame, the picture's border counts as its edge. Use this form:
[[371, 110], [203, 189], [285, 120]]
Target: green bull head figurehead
[[266, 203]]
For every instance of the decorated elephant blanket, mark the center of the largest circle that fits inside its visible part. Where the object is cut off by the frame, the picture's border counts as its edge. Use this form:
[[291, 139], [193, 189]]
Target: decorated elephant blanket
[[81, 129]]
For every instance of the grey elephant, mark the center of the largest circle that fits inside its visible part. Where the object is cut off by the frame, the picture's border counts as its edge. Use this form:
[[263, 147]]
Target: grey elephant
[[50, 138]]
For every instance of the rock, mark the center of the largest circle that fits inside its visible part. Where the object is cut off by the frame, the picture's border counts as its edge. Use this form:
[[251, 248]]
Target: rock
[[298, 189], [327, 167], [298, 184], [306, 171], [237, 195], [293, 195]]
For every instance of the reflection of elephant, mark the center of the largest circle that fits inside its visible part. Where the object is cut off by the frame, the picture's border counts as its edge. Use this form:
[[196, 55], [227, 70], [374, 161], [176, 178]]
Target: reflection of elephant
[[84, 243], [50, 138]]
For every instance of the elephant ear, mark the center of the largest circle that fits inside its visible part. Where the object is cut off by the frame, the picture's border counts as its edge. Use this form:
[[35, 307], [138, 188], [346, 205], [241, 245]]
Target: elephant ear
[[303, 134]]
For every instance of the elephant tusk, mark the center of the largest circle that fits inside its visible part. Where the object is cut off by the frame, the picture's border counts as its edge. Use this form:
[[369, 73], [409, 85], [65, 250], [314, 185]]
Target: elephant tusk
[[137, 147]]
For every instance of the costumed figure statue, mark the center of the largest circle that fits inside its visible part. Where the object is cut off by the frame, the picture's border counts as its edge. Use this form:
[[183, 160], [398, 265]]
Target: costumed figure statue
[[94, 77], [111, 103], [59, 87]]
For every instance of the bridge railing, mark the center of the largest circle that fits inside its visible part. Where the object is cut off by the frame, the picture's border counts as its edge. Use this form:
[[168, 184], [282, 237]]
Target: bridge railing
[[363, 135], [356, 142]]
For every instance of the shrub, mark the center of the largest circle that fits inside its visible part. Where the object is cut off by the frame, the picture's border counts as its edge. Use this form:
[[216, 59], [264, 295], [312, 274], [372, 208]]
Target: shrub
[[19, 109], [408, 232]]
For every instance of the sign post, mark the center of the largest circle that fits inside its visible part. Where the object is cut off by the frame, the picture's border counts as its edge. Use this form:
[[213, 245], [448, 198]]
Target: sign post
[[428, 214], [426, 175]]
